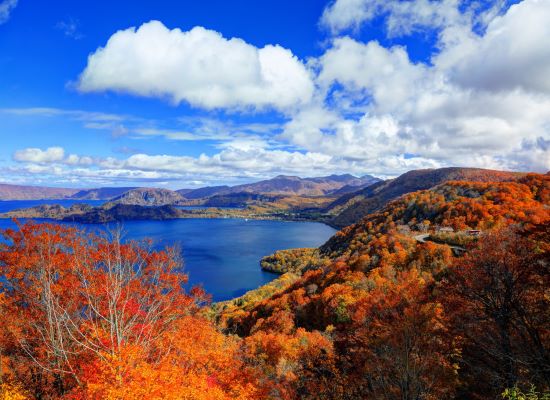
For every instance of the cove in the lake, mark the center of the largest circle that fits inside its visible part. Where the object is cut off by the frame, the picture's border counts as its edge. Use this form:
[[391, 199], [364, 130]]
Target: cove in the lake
[[221, 254]]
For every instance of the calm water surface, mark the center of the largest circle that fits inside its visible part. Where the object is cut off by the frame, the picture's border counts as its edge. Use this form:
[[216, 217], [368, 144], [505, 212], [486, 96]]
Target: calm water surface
[[221, 254]]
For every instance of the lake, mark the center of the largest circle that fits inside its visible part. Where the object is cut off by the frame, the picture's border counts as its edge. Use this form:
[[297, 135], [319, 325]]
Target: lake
[[221, 254]]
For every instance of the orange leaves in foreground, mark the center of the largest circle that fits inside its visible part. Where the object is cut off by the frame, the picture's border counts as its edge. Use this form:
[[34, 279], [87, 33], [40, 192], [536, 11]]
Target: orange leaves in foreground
[[197, 362], [92, 317], [12, 392]]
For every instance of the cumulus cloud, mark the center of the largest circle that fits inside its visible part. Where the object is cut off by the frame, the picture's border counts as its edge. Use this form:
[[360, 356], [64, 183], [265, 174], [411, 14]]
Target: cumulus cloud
[[35, 155], [236, 162], [512, 54], [482, 101], [403, 17], [51, 155], [199, 66], [6, 7], [386, 74]]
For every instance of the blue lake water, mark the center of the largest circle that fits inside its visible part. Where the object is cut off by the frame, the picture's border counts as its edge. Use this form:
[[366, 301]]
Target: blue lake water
[[221, 254]]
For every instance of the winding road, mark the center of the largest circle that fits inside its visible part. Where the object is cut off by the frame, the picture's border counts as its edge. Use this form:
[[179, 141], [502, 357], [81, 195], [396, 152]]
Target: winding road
[[423, 238]]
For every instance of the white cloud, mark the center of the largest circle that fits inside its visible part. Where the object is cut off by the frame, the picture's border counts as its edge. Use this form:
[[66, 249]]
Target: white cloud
[[6, 7], [236, 162], [51, 155], [483, 101], [386, 74], [249, 158], [514, 53], [403, 17], [34, 155], [345, 14], [199, 66]]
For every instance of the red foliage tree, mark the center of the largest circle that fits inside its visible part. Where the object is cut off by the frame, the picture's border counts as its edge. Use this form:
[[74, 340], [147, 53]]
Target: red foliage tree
[[498, 297]]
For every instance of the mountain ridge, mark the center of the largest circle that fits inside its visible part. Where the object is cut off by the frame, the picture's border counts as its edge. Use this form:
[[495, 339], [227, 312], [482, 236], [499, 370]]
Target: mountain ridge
[[102, 193], [350, 208], [23, 192], [281, 184], [148, 197], [288, 184]]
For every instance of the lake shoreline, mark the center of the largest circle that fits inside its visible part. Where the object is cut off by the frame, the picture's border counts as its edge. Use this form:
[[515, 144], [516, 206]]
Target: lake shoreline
[[221, 254], [87, 214]]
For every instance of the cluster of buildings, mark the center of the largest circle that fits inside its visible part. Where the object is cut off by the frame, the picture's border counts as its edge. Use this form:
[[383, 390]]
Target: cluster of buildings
[[421, 227]]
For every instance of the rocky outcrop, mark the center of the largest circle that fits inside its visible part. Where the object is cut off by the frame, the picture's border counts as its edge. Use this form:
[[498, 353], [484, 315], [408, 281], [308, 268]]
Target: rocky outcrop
[[148, 197]]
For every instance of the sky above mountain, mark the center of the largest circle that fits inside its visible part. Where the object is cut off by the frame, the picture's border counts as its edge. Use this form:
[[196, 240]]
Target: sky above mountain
[[188, 94]]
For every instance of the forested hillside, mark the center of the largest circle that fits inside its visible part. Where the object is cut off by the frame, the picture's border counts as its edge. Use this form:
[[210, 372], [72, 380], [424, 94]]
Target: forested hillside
[[350, 208], [378, 312], [400, 319]]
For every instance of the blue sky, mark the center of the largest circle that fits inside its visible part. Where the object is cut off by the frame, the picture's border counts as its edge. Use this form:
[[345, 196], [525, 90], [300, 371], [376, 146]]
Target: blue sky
[[187, 94]]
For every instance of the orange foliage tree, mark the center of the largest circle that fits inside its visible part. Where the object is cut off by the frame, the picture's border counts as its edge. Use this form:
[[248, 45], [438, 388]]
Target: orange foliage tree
[[397, 345], [92, 316]]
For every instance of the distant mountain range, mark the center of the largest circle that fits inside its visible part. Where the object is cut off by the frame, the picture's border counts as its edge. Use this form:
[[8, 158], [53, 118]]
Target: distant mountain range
[[201, 193], [18, 192], [287, 185]]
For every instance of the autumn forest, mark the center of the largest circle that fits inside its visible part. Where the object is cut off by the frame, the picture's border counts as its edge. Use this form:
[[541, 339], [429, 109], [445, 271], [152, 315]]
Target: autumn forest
[[374, 313]]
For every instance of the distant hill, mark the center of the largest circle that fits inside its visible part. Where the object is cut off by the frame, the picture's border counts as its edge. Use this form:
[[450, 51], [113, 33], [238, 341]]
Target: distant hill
[[201, 193], [289, 185], [348, 189], [350, 208], [239, 199], [84, 213], [19, 192], [321, 186], [105, 193], [332, 185], [184, 191], [124, 212], [148, 197]]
